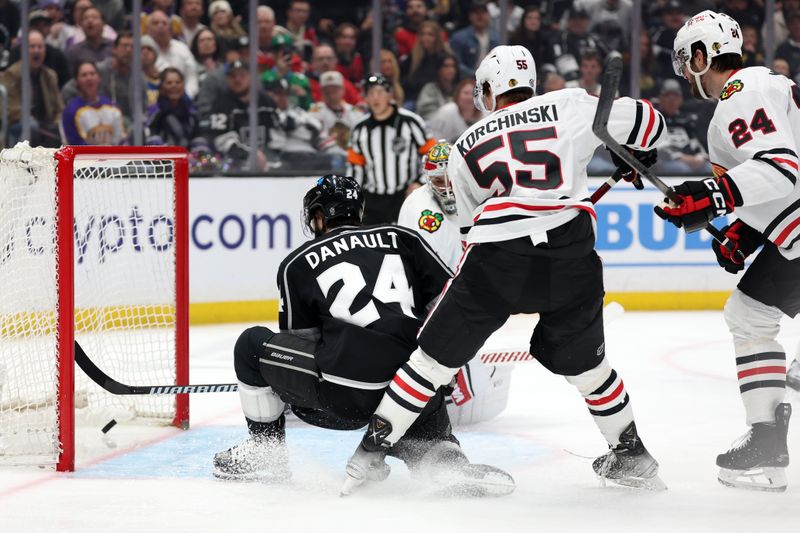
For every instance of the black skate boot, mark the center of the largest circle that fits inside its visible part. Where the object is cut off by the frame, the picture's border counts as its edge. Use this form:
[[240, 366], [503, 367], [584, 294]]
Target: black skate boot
[[629, 463], [759, 459], [447, 469], [793, 376], [262, 457]]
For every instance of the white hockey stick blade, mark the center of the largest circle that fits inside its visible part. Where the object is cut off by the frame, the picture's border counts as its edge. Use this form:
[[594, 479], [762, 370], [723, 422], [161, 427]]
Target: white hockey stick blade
[[611, 312]]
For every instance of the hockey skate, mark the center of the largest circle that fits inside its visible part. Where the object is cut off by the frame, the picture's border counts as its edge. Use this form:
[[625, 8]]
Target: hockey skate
[[450, 474], [629, 463], [793, 376], [759, 459], [262, 457]]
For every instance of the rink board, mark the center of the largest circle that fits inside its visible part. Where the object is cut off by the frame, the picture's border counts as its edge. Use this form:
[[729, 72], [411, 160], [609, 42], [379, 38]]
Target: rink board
[[242, 228]]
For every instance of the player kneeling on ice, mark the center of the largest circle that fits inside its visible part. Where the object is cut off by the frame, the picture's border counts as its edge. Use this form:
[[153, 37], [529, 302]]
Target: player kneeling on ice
[[352, 301], [480, 391], [519, 177], [752, 142]]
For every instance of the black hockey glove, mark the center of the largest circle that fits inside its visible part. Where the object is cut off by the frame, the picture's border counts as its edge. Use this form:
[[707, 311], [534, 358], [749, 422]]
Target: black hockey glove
[[646, 157], [702, 201], [745, 239]]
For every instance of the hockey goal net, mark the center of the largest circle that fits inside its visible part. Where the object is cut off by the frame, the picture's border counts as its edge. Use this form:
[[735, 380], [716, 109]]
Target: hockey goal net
[[93, 247]]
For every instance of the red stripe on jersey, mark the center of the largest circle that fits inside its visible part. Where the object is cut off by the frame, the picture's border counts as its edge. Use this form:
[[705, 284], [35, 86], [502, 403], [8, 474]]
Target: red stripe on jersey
[[650, 123], [608, 398], [761, 370], [786, 162], [786, 231], [526, 207], [410, 390]]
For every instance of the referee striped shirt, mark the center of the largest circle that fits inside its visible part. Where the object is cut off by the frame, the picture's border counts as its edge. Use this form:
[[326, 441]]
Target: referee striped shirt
[[385, 155]]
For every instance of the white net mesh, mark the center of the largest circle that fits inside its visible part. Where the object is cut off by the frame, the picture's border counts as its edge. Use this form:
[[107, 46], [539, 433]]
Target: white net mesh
[[124, 282]]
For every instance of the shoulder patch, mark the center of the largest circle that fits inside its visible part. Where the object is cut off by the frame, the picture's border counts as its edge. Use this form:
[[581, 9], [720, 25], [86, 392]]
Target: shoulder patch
[[430, 221], [718, 170], [731, 88]]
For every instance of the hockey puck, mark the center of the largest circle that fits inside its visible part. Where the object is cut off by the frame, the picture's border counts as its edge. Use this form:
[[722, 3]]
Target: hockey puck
[[108, 426]]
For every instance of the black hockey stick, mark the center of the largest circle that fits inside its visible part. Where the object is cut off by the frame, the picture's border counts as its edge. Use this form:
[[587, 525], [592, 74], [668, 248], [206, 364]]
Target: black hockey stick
[[608, 90], [600, 128], [115, 387]]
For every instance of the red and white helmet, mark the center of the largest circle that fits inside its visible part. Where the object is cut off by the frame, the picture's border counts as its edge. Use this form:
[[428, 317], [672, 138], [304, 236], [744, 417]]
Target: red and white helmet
[[505, 68], [718, 32]]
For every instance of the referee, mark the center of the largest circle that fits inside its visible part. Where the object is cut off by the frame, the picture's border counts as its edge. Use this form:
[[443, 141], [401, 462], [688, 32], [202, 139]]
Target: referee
[[385, 152]]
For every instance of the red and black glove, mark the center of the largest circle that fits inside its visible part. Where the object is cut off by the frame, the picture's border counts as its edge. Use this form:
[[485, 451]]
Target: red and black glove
[[646, 157], [701, 201], [745, 239]]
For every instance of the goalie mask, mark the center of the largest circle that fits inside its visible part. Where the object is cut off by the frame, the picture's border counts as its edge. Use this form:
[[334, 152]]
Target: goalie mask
[[717, 32], [505, 69], [434, 165], [336, 198]]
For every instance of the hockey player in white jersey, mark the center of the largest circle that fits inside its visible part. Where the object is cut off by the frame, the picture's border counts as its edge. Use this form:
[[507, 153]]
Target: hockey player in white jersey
[[480, 391], [753, 140], [519, 177]]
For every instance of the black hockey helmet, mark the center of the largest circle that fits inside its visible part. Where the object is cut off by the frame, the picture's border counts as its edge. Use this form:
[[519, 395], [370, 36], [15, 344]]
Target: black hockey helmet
[[336, 197], [377, 80]]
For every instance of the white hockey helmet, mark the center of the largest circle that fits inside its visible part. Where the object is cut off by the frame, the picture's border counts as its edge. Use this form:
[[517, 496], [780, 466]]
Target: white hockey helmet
[[434, 164], [718, 33], [505, 68]]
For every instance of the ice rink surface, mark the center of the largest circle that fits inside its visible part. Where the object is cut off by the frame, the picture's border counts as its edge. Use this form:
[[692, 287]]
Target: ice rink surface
[[677, 366]]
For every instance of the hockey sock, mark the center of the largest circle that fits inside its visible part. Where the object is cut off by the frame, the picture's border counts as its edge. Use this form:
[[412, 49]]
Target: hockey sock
[[606, 398], [260, 404], [760, 359], [413, 386]]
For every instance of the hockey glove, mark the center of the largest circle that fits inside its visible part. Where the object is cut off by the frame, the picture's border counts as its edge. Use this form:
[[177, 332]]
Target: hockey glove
[[646, 157], [701, 201], [745, 239]]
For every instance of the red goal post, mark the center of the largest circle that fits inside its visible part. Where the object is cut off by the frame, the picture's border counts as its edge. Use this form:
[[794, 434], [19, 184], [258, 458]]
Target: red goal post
[[116, 281]]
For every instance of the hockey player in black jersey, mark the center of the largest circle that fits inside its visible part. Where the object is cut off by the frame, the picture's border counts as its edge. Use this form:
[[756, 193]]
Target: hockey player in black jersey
[[352, 301]]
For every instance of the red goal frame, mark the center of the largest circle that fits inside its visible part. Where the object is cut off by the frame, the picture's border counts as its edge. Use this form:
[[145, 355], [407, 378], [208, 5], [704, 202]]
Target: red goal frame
[[64, 159]]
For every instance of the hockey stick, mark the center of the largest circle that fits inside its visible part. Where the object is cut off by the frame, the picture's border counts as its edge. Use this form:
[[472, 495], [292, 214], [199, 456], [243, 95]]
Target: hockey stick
[[115, 387], [608, 90], [600, 128]]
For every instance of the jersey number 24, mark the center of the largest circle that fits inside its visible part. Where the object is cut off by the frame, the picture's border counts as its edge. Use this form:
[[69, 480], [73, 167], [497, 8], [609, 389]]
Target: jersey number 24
[[391, 286]]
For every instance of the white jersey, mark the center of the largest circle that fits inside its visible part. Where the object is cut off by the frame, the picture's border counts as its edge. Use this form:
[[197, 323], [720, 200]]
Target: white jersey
[[522, 170], [422, 213], [754, 137]]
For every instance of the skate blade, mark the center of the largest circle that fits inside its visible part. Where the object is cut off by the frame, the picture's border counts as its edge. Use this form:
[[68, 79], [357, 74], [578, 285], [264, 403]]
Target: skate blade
[[253, 477], [350, 484], [765, 479], [473, 481], [655, 483]]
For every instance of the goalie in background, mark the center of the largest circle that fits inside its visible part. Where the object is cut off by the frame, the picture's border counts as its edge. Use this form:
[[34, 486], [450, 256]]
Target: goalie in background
[[480, 391], [352, 301]]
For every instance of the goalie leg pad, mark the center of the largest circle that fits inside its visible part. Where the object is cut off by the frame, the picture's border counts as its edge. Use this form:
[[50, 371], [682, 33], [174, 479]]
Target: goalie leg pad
[[760, 359]]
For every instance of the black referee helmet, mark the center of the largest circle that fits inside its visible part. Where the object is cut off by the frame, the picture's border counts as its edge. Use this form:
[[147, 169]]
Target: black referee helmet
[[338, 198], [377, 79]]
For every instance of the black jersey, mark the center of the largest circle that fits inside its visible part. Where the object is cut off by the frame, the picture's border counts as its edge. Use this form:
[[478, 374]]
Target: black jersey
[[365, 290]]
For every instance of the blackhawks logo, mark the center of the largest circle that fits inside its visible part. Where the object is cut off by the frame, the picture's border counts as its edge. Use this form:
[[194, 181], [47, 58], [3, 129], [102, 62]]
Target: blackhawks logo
[[732, 88], [430, 221]]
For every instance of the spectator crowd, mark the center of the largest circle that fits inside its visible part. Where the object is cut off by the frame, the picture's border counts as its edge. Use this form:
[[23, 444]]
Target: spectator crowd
[[314, 57]]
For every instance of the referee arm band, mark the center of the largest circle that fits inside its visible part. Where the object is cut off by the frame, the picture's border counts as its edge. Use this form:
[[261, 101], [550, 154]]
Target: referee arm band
[[354, 158]]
